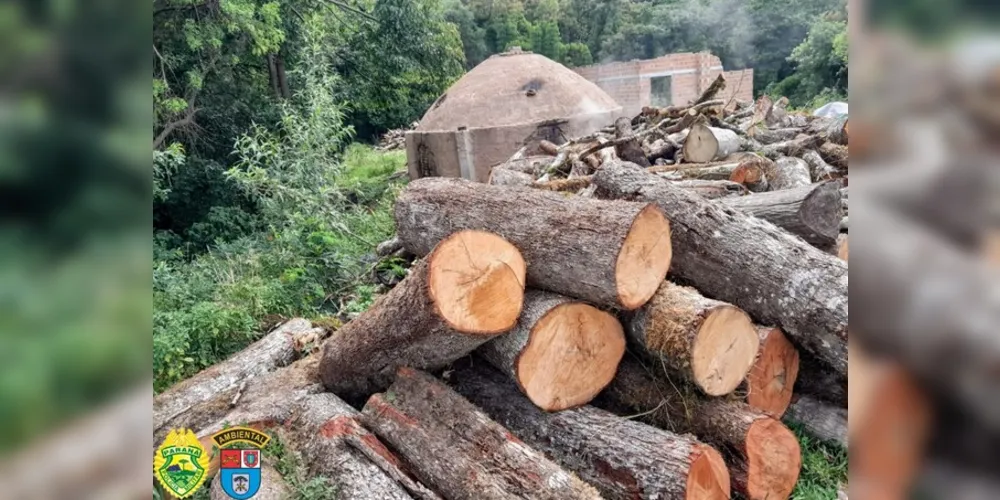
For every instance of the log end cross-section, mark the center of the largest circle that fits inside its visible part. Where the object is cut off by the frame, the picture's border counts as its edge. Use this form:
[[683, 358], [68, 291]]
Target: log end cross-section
[[708, 478], [773, 375], [476, 281], [585, 344], [773, 460], [644, 258]]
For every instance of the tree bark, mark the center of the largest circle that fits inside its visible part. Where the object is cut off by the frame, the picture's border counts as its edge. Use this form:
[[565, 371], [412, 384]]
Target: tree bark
[[709, 343], [467, 291], [932, 305], [279, 65], [792, 147], [532, 165], [712, 189], [764, 456], [819, 382], [774, 372], [661, 149], [561, 353], [819, 419], [458, 450], [506, 177], [819, 169], [773, 135], [629, 150], [717, 85], [788, 173], [775, 277], [811, 212], [835, 154], [622, 458], [704, 143], [752, 171], [328, 434], [184, 402], [610, 254]]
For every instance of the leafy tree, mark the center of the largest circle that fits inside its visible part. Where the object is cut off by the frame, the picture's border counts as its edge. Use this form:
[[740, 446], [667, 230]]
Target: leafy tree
[[820, 64]]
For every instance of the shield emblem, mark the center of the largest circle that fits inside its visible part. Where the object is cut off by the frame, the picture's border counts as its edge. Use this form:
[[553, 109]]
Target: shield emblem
[[239, 472]]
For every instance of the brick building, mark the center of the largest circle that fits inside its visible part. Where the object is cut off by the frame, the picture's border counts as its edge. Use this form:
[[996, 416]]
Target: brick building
[[673, 79]]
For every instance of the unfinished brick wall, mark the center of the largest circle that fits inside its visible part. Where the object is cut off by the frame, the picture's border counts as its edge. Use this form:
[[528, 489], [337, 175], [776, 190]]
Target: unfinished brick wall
[[635, 84]]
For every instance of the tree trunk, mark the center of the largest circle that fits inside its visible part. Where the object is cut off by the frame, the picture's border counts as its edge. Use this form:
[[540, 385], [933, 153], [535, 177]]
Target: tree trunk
[[842, 247], [820, 420], [788, 173], [629, 150], [279, 65], [612, 254], [718, 171], [774, 372], [622, 458], [792, 147], [774, 135], [718, 85], [532, 165], [819, 169], [819, 382], [272, 72], [458, 450], [561, 353], [764, 455], [731, 256], [835, 154], [328, 434], [931, 304], [752, 171], [467, 291], [661, 149], [708, 342], [811, 212], [184, 402], [712, 189], [704, 143], [506, 177]]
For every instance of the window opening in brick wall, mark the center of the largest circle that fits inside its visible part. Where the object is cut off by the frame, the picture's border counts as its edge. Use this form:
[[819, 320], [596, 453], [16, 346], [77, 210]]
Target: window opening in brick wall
[[659, 91]]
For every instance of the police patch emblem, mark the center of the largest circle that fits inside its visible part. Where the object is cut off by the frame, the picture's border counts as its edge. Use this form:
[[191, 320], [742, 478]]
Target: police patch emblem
[[239, 468]]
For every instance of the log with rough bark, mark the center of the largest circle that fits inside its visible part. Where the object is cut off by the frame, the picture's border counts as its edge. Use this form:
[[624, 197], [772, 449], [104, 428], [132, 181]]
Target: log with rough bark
[[820, 382], [329, 436], [561, 353], [819, 169], [533, 165], [791, 147], [771, 136], [500, 176], [787, 173], [467, 291], [774, 372], [184, 402], [752, 171], [720, 170], [764, 456], [712, 189], [835, 154], [842, 247], [709, 343], [661, 149], [704, 143], [931, 304], [819, 419], [630, 150], [830, 129], [775, 277], [457, 450], [717, 85], [622, 458], [811, 212], [611, 254]]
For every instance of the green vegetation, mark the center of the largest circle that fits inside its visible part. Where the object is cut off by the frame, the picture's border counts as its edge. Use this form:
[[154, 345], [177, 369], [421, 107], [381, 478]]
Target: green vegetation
[[824, 469]]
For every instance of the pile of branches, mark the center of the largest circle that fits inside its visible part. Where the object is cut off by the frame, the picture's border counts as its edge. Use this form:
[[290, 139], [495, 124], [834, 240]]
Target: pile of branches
[[497, 367], [394, 139]]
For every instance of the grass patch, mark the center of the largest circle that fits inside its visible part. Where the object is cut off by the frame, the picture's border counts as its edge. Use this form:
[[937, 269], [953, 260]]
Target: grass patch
[[824, 469]]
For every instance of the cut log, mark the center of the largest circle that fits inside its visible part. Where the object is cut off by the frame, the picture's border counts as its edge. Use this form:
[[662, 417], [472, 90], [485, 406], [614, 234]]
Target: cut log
[[661, 149], [835, 154], [932, 305], [708, 342], [533, 165], [842, 247], [548, 147], [458, 450], [764, 455], [328, 434], [793, 147], [812, 212], [612, 254], [272, 486], [622, 458], [819, 382], [770, 381], [630, 150], [717, 85], [704, 143], [752, 171], [771, 136], [712, 189], [506, 177], [182, 403], [561, 353], [788, 173], [467, 291], [819, 419], [775, 277], [819, 169]]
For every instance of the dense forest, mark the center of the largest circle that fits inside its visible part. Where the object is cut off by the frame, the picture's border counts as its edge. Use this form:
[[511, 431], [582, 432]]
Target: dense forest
[[267, 204]]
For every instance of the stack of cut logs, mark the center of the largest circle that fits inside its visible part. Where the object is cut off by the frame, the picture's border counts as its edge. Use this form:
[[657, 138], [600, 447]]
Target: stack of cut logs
[[724, 293], [394, 139]]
